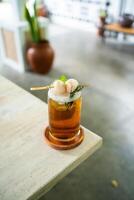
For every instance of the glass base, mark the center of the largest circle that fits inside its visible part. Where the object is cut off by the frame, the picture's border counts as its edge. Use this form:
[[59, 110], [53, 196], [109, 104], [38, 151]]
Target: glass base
[[64, 144]]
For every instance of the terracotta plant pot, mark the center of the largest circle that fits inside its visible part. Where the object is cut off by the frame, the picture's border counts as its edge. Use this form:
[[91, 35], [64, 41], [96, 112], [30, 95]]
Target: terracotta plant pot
[[126, 20], [40, 57], [42, 11], [102, 20], [101, 26], [101, 31]]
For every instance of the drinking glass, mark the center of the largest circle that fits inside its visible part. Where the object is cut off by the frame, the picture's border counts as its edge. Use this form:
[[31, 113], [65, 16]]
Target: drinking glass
[[64, 116]]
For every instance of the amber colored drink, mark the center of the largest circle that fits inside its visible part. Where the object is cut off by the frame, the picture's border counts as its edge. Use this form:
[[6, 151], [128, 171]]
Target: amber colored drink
[[64, 118]]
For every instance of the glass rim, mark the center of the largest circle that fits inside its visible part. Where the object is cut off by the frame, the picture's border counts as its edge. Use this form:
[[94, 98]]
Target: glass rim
[[63, 99]]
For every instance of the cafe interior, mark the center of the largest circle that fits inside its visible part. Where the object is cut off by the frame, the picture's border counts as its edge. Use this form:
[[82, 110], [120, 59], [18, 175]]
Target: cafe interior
[[91, 41]]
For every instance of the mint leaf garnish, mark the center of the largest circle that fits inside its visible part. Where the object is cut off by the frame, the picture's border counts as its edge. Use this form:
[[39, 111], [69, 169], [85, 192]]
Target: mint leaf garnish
[[63, 78]]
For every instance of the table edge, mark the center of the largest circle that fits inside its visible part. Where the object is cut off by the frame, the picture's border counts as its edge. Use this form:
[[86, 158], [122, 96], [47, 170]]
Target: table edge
[[37, 195]]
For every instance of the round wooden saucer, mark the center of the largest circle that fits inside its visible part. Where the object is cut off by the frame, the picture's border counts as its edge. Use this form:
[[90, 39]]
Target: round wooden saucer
[[63, 144]]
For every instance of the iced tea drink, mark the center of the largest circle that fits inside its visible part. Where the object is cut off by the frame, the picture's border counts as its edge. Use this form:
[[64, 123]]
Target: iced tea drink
[[64, 115]]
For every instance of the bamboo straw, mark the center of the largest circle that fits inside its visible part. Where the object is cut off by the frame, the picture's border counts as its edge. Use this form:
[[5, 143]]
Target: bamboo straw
[[41, 87], [48, 86]]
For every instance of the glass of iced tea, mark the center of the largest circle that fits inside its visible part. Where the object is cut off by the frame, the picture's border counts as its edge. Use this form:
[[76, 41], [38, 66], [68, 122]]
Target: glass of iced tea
[[64, 110]]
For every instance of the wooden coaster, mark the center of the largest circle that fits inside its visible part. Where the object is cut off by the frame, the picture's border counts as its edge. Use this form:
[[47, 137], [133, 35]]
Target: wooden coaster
[[63, 144]]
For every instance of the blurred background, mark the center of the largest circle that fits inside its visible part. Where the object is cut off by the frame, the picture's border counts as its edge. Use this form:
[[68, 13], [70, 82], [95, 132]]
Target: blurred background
[[92, 41]]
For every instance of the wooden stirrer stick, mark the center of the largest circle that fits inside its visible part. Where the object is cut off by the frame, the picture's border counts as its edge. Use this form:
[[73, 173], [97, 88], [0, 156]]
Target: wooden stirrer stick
[[41, 87]]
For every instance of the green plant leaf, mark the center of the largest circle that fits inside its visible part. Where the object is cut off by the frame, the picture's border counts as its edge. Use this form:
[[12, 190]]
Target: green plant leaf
[[36, 22], [32, 19], [29, 19], [63, 78]]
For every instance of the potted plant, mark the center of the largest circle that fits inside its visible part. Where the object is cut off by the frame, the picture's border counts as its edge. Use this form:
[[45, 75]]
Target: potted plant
[[103, 14], [102, 17], [42, 9], [126, 20], [40, 54]]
